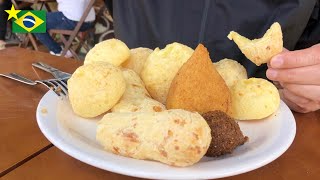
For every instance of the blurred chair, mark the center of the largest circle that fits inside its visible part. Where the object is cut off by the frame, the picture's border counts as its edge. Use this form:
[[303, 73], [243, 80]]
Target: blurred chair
[[70, 36], [43, 3], [29, 36]]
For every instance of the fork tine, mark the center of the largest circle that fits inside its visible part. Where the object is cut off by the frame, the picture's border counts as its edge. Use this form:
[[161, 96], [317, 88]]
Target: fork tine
[[61, 86], [45, 84], [57, 87], [62, 81], [50, 85]]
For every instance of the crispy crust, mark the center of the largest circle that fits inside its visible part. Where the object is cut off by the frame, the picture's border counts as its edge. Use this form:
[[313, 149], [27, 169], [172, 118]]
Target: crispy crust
[[198, 86], [225, 132]]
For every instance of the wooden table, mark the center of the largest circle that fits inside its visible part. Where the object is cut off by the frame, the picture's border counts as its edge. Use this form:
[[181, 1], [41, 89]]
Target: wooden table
[[26, 154]]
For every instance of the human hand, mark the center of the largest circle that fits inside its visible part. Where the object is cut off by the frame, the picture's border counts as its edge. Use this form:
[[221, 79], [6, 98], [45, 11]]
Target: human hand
[[299, 74]]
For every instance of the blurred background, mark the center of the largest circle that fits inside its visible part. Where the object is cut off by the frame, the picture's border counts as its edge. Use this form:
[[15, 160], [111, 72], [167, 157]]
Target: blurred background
[[101, 30]]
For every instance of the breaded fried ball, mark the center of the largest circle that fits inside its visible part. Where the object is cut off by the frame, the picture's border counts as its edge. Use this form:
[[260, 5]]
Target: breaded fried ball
[[95, 88], [254, 98], [161, 67], [225, 131], [112, 51], [231, 71]]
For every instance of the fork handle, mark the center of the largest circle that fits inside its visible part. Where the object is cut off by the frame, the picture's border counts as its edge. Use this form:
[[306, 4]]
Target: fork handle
[[44, 67], [19, 78]]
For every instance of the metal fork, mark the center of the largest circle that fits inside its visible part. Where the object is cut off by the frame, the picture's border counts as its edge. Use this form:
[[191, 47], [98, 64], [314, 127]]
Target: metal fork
[[57, 85], [54, 71]]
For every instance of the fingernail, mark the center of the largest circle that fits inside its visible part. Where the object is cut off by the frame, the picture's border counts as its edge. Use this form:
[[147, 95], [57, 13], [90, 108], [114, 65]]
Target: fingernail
[[272, 74], [276, 62]]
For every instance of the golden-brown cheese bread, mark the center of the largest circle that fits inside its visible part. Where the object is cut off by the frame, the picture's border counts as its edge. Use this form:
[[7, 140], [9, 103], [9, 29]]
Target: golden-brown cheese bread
[[138, 57], [231, 71], [95, 88], [112, 51], [174, 137], [198, 86], [254, 98], [136, 98], [161, 67], [261, 50]]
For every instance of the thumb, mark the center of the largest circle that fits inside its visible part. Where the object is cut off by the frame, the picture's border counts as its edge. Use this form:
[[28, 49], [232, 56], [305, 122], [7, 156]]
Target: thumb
[[298, 58]]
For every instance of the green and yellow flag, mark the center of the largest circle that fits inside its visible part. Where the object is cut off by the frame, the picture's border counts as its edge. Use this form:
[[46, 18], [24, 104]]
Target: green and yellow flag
[[30, 21], [27, 21]]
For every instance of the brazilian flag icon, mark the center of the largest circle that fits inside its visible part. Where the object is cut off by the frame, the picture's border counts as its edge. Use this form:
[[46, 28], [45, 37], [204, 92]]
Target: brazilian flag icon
[[30, 22]]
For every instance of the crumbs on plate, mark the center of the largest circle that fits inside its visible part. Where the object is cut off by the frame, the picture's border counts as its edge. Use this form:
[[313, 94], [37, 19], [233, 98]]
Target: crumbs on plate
[[44, 111]]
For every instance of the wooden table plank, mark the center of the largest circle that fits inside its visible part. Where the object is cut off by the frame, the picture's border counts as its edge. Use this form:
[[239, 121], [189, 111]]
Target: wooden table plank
[[54, 164], [300, 161], [20, 136]]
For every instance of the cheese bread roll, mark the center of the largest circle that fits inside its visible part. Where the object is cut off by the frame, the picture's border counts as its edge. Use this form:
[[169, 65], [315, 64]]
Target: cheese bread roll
[[261, 50], [161, 67], [254, 98], [95, 88], [138, 57], [231, 71], [136, 98], [112, 51], [174, 137]]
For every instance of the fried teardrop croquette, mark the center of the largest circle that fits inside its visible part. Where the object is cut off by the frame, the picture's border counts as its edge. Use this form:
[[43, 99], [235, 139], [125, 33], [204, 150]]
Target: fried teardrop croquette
[[198, 86]]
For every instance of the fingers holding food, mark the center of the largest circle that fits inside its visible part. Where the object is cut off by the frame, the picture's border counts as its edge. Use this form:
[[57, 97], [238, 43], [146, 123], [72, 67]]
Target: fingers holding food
[[297, 58], [161, 67], [112, 51], [174, 137], [95, 88], [308, 75], [261, 50]]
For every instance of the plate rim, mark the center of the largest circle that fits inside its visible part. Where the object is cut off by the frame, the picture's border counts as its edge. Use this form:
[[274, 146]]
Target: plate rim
[[82, 156]]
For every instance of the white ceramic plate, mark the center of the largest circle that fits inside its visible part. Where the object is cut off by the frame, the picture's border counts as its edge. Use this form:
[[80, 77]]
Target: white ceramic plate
[[268, 139]]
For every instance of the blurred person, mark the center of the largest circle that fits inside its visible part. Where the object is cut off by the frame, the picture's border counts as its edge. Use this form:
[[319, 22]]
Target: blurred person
[[68, 14], [5, 5], [143, 23]]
